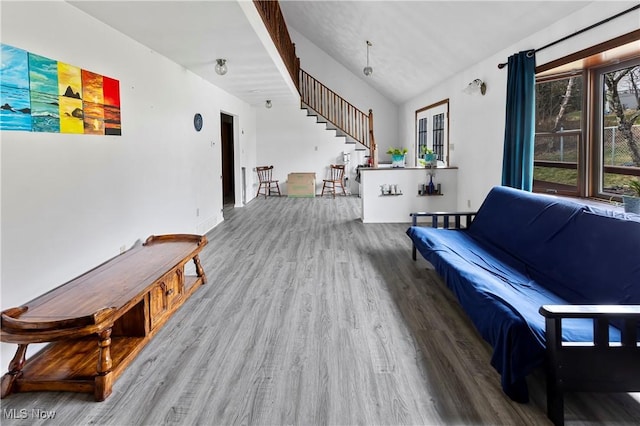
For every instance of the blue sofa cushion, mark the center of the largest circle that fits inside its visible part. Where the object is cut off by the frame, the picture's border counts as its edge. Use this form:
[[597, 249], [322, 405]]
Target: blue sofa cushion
[[585, 255]]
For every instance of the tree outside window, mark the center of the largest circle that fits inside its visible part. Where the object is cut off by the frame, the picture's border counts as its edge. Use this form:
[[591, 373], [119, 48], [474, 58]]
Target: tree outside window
[[621, 128], [558, 134]]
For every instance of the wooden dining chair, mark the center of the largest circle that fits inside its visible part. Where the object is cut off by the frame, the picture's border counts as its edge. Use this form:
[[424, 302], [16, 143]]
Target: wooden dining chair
[[336, 178], [267, 183]]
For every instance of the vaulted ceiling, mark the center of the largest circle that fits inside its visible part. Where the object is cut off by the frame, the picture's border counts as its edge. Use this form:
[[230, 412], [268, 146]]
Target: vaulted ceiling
[[416, 44]]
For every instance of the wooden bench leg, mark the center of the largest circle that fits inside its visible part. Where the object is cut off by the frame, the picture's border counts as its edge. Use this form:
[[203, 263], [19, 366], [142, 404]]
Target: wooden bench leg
[[104, 379], [199, 269], [15, 370]]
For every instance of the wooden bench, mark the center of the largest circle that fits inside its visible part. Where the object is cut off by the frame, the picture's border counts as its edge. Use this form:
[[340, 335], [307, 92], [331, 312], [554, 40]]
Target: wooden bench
[[98, 322]]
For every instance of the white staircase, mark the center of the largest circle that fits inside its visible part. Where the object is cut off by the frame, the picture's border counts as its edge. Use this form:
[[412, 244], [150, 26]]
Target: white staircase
[[339, 133], [337, 114]]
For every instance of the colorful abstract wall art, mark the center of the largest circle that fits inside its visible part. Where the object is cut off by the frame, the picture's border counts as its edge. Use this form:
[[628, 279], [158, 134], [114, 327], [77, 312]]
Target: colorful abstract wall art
[[39, 94]]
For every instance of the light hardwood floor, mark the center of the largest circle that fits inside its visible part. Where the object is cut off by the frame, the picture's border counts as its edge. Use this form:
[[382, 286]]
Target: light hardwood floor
[[311, 317]]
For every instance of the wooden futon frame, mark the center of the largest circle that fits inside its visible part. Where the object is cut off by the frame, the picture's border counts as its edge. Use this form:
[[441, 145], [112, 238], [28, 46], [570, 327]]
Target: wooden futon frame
[[598, 366]]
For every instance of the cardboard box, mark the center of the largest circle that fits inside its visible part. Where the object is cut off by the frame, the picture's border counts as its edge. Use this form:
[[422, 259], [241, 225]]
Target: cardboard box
[[301, 185]]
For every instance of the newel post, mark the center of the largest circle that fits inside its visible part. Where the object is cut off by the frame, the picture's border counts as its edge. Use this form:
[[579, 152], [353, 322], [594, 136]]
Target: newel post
[[373, 149]]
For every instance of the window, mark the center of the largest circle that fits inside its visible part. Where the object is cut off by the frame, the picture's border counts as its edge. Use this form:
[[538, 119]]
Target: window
[[558, 136], [432, 130], [587, 140], [618, 126]]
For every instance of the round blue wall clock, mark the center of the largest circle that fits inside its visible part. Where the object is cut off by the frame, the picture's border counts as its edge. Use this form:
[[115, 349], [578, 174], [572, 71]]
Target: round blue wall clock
[[197, 122]]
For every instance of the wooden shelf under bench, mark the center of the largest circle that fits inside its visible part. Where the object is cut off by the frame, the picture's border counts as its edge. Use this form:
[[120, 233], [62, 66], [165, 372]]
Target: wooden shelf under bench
[[98, 322]]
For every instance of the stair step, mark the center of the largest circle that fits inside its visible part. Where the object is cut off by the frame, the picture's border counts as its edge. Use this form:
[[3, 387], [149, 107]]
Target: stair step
[[330, 126]]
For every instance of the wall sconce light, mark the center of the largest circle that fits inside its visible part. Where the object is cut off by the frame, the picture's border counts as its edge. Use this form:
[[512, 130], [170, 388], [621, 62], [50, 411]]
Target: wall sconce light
[[368, 70], [268, 104], [221, 66], [475, 87]]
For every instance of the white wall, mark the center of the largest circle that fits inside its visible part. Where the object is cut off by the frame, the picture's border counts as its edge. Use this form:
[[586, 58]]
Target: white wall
[[69, 202], [352, 88], [293, 142], [477, 122]]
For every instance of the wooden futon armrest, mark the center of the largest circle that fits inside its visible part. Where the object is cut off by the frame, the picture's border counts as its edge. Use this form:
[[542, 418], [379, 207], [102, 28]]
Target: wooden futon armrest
[[628, 317], [598, 366], [446, 216], [446, 221]]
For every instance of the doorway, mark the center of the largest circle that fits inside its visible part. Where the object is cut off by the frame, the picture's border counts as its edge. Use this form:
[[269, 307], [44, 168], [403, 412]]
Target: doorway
[[228, 181]]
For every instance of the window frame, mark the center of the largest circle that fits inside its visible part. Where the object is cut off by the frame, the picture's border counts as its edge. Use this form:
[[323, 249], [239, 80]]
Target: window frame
[[590, 169], [430, 128], [582, 136], [598, 168]]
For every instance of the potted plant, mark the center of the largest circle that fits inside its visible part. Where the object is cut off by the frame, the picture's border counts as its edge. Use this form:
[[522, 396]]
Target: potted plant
[[427, 153], [397, 156], [632, 202]]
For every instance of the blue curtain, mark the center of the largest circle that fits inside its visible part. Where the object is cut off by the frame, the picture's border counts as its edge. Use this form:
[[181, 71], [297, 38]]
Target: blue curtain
[[519, 129]]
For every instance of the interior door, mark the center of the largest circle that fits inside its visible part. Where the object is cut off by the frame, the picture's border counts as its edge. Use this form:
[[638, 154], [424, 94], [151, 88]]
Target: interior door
[[227, 142]]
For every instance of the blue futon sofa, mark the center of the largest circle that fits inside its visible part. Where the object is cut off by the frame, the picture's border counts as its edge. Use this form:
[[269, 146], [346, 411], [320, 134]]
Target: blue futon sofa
[[521, 259]]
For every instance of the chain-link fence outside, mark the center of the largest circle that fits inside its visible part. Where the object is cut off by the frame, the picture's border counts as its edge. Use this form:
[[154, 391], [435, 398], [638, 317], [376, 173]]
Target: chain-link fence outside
[[564, 147], [557, 147], [616, 149]]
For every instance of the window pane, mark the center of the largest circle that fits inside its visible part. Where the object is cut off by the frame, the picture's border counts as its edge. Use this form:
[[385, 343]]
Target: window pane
[[620, 129], [558, 134], [438, 136], [556, 161], [559, 105], [422, 135], [556, 179]]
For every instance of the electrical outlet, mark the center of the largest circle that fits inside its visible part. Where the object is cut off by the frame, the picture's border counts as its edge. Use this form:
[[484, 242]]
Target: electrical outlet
[[469, 203], [197, 212]]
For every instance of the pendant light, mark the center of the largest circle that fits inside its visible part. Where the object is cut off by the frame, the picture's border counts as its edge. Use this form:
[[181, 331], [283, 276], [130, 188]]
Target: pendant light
[[221, 66], [368, 70]]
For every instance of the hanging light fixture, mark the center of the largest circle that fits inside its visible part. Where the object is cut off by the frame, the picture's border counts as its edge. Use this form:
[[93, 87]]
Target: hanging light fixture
[[268, 104], [368, 70], [221, 66]]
